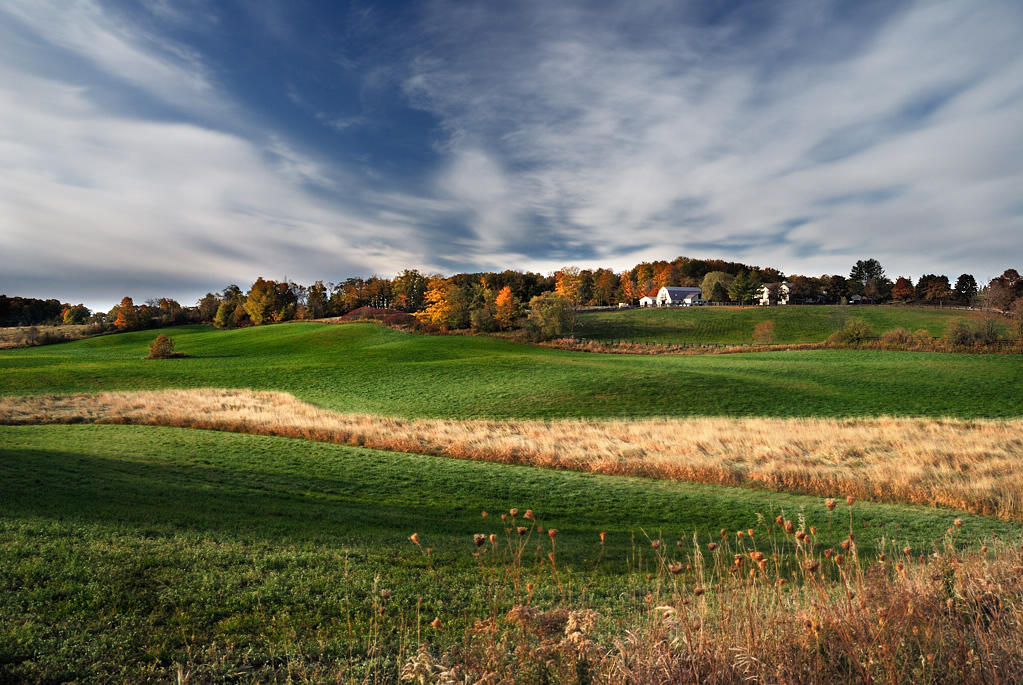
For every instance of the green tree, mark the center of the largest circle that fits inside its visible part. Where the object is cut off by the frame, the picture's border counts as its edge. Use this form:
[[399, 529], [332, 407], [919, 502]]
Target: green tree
[[713, 278], [550, 316], [223, 318], [744, 287], [866, 276], [718, 293], [966, 288]]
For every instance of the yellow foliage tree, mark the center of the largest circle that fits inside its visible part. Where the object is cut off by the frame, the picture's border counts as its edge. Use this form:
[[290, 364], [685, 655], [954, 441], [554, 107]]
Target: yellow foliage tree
[[568, 284]]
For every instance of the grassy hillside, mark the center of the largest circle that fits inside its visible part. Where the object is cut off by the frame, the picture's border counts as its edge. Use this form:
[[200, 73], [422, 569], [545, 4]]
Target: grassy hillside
[[366, 368], [732, 325], [128, 550]]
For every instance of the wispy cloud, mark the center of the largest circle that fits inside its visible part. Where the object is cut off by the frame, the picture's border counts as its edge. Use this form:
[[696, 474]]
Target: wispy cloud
[[620, 137], [95, 201]]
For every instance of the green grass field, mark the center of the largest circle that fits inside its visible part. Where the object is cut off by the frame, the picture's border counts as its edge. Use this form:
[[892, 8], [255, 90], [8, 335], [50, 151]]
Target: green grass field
[[367, 368], [128, 550], [734, 326]]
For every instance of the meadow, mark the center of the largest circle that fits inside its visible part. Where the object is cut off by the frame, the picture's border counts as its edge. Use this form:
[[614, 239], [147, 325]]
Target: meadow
[[365, 368], [713, 325], [147, 552], [135, 553]]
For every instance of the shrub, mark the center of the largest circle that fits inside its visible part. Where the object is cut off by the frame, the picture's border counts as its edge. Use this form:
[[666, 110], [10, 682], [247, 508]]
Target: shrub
[[161, 348], [852, 332], [898, 338], [961, 334]]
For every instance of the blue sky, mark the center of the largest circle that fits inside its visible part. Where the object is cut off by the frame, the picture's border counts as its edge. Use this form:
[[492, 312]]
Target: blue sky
[[169, 147]]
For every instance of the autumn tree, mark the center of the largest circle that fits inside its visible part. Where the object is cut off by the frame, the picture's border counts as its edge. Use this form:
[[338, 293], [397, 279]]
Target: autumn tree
[[207, 307], [630, 289], [803, 289], [170, 311], [316, 301], [446, 304], [409, 289], [605, 284], [665, 275], [938, 290], [903, 289], [551, 315], [74, 315], [127, 316], [261, 301], [506, 308], [568, 284]]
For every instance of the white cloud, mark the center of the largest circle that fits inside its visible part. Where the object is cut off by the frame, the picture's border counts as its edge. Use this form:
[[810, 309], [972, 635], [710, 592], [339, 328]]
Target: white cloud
[[95, 202]]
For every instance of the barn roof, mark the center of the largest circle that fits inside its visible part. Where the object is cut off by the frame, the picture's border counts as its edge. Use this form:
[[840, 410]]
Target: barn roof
[[676, 291]]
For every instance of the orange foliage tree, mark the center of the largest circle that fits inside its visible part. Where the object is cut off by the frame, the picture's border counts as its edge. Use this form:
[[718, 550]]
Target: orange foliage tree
[[127, 315], [506, 308]]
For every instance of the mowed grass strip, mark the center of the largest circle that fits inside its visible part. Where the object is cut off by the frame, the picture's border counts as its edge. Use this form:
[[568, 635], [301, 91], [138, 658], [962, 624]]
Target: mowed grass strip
[[972, 465], [369, 369], [129, 551], [793, 324]]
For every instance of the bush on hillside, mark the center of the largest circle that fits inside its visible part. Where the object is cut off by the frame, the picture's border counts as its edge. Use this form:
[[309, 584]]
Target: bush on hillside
[[960, 333], [161, 348], [852, 332]]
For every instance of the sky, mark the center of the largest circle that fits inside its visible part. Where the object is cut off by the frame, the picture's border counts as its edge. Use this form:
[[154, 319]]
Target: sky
[[170, 147]]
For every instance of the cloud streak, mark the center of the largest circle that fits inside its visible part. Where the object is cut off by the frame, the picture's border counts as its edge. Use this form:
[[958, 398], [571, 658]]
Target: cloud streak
[[621, 139]]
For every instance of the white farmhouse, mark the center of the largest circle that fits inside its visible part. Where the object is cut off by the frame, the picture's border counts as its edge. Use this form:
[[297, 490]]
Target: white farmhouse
[[679, 297], [649, 300], [773, 293]]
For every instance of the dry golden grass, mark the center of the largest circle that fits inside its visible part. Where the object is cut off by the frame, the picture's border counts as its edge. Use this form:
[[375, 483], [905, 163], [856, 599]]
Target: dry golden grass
[[968, 465], [778, 605]]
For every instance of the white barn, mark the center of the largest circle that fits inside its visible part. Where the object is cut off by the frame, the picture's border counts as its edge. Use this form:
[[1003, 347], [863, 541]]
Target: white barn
[[679, 296]]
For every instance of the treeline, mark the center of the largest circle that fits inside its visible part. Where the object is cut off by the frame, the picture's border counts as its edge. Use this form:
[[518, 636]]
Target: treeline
[[542, 305]]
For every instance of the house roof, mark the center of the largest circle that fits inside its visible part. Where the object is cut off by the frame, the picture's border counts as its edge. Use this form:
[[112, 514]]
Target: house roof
[[774, 286]]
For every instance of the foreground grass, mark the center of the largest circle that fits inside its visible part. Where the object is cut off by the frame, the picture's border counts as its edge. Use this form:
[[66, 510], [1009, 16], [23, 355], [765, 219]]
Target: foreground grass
[[734, 325], [369, 369], [132, 551], [968, 465]]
